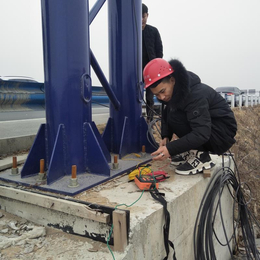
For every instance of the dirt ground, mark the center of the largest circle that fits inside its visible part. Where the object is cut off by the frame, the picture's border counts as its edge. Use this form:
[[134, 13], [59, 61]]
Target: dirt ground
[[247, 150]]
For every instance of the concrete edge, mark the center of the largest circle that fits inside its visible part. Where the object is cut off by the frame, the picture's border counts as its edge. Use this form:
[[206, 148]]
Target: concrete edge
[[16, 144]]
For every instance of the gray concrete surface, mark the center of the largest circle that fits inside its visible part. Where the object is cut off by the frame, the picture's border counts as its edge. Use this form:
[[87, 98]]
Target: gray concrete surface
[[18, 128]]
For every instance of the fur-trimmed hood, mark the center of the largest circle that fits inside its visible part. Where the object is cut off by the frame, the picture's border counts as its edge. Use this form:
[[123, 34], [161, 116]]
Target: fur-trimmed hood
[[184, 80]]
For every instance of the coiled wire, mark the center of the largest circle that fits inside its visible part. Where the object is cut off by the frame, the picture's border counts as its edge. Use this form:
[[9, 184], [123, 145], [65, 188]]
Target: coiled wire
[[204, 232]]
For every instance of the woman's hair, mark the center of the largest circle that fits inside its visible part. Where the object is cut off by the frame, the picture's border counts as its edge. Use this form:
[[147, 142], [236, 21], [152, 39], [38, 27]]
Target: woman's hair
[[164, 80]]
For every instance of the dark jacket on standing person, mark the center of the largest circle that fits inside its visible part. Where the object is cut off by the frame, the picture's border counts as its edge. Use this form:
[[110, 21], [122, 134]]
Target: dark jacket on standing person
[[152, 43], [198, 115]]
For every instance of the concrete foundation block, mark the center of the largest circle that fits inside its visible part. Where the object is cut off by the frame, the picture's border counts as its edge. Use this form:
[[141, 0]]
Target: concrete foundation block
[[145, 240]]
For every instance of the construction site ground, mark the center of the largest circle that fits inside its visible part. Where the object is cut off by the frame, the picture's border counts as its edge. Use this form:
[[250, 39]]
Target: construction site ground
[[20, 239]]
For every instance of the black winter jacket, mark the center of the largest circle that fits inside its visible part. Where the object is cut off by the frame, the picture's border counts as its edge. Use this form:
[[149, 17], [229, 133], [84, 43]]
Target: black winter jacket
[[153, 42], [198, 115]]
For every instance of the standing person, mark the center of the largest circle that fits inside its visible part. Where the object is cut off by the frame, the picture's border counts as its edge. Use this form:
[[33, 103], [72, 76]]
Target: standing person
[[195, 112], [152, 48]]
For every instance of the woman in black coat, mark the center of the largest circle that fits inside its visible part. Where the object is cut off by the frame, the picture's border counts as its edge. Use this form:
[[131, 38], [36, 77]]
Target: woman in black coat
[[195, 112]]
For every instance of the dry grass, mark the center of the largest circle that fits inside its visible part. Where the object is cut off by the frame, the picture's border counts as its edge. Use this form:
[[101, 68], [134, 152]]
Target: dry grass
[[248, 153]]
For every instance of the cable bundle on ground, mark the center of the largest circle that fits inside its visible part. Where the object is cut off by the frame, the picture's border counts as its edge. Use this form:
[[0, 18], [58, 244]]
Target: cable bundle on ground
[[204, 233], [152, 126]]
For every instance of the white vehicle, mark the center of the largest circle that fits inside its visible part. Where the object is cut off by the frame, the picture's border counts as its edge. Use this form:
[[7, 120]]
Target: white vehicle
[[229, 91]]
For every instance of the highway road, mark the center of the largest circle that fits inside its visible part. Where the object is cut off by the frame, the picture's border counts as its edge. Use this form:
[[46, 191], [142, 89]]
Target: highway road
[[23, 123]]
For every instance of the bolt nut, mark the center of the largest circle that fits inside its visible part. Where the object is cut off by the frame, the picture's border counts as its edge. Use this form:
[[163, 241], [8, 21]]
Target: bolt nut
[[115, 165], [73, 183], [14, 171], [41, 176], [143, 154]]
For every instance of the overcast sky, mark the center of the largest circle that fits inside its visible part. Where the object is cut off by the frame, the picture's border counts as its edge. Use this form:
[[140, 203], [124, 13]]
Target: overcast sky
[[218, 40]]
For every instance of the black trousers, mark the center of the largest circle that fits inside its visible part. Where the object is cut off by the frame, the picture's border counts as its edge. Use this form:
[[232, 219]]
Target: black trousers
[[214, 145]]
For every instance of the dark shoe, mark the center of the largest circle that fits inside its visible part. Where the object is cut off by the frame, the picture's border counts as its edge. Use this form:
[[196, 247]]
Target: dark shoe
[[180, 158], [197, 162]]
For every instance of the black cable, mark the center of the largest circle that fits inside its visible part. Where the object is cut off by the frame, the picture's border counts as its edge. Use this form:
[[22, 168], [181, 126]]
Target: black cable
[[150, 137], [204, 232]]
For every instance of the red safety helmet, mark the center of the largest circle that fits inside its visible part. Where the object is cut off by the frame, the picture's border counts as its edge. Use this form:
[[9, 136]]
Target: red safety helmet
[[155, 70]]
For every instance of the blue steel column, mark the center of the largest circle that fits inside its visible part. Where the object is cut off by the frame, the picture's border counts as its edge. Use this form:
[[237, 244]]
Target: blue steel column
[[126, 129], [66, 56], [71, 137]]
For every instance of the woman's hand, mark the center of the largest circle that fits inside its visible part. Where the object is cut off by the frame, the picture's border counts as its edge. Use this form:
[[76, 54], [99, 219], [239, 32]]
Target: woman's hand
[[161, 154]]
